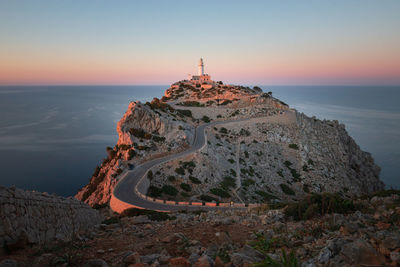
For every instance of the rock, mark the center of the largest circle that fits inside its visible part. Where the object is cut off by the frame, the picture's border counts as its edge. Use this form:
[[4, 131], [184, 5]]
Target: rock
[[218, 262], [96, 263], [178, 262], [8, 263], [148, 226], [149, 259], [348, 228], [193, 258], [100, 251], [247, 255], [132, 258], [395, 256], [324, 255], [203, 261], [382, 225], [361, 252]]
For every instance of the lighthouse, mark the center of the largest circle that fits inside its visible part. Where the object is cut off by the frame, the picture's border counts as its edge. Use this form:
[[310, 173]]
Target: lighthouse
[[201, 67], [201, 78]]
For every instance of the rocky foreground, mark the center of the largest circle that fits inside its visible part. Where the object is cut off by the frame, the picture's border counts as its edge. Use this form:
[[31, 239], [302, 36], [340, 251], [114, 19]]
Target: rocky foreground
[[324, 230]]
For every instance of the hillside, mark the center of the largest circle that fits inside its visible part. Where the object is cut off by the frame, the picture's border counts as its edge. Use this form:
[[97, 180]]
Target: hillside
[[266, 153]]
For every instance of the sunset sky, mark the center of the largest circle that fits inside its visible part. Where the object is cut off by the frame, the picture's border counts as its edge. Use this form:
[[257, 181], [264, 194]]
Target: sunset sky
[[160, 42]]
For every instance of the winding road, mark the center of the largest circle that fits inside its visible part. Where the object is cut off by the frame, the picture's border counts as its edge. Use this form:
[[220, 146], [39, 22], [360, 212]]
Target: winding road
[[126, 192]]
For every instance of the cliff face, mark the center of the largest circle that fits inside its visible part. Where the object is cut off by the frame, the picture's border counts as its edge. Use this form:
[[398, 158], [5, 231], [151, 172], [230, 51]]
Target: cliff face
[[145, 131], [33, 217], [272, 154]]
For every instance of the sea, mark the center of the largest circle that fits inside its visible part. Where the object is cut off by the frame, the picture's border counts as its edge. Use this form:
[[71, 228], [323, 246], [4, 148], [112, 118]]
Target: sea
[[52, 137]]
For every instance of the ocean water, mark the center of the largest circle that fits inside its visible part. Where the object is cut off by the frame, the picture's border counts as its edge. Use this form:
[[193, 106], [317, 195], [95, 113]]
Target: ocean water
[[52, 137]]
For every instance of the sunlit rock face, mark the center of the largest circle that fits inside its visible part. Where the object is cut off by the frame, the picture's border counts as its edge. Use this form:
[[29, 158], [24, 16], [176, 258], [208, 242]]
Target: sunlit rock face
[[271, 153]]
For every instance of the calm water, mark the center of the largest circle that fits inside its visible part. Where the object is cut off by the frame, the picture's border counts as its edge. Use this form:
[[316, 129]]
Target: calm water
[[51, 138]]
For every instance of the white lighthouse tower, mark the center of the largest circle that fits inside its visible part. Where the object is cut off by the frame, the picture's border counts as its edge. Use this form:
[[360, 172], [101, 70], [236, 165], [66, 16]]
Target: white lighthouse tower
[[201, 67], [202, 78]]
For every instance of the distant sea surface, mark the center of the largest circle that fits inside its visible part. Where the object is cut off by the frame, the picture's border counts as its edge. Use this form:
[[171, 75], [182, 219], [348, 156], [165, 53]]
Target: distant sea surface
[[52, 137]]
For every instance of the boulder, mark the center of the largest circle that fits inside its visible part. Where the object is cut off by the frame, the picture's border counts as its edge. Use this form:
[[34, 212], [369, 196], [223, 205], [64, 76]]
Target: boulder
[[96, 263], [360, 252]]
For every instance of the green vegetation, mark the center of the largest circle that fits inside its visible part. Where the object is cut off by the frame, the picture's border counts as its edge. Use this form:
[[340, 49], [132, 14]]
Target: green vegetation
[[185, 112], [171, 178], [223, 130], [280, 173], [186, 187], [233, 172], [131, 154], [151, 214], [157, 104], [140, 133], [191, 104], [228, 182], [154, 191], [294, 146], [150, 174], [287, 190], [284, 261], [194, 180], [266, 196], [158, 139], [319, 204], [180, 171], [310, 162], [205, 119], [244, 132], [220, 192], [231, 161], [248, 182], [169, 190], [207, 198]]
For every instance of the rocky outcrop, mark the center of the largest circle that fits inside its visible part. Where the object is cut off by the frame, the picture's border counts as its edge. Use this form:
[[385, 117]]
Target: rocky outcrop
[[28, 217], [145, 131], [272, 153]]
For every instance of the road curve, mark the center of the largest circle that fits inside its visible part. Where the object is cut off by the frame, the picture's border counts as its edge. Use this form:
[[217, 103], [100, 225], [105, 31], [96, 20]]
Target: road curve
[[125, 192]]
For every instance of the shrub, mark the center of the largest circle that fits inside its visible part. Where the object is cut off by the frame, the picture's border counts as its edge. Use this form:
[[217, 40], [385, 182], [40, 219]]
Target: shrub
[[186, 187], [180, 171], [171, 178], [131, 154], [220, 192], [294, 146], [111, 220], [266, 196], [231, 161], [185, 112], [223, 130], [139, 133], [248, 182], [158, 139], [207, 198], [150, 174], [233, 172], [169, 190], [206, 119], [244, 132], [194, 180], [154, 191], [287, 163], [228, 182], [287, 190], [319, 204], [151, 214], [188, 164]]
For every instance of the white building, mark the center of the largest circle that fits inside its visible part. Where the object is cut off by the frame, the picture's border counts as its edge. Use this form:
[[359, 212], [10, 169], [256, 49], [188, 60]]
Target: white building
[[201, 77]]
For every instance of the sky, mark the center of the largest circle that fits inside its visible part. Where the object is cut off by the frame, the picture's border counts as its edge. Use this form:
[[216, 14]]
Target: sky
[[159, 42]]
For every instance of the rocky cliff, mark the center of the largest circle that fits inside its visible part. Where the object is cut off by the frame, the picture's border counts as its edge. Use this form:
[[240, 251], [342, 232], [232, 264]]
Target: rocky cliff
[[28, 217], [270, 154]]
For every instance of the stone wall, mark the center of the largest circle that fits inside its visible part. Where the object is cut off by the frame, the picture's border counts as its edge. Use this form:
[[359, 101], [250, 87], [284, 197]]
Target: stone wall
[[35, 217]]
